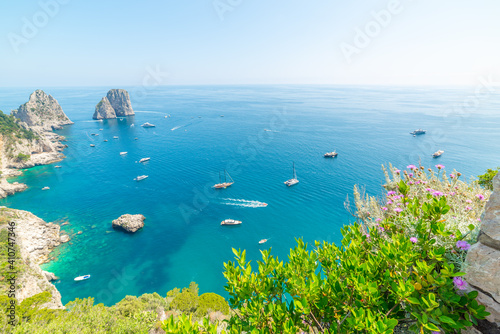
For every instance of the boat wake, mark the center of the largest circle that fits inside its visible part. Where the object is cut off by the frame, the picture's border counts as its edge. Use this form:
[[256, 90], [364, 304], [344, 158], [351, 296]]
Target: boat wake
[[175, 128], [244, 203]]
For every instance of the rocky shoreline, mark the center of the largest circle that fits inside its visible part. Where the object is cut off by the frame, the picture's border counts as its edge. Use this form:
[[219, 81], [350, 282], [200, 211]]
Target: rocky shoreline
[[36, 239]]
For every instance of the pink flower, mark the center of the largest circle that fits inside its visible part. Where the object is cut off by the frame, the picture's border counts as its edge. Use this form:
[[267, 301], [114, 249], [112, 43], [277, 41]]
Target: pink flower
[[467, 208], [437, 193], [480, 196], [384, 208], [390, 193], [398, 209], [452, 176], [411, 167], [411, 174], [429, 189], [439, 166], [411, 182], [414, 240], [462, 245], [397, 171], [389, 202], [460, 283], [453, 193], [468, 201], [378, 220]]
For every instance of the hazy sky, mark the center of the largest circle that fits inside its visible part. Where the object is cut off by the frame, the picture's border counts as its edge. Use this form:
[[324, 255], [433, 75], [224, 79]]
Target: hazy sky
[[102, 43]]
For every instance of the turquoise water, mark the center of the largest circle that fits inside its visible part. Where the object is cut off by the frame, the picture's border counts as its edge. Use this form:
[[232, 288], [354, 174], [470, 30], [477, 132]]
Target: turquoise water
[[183, 240]]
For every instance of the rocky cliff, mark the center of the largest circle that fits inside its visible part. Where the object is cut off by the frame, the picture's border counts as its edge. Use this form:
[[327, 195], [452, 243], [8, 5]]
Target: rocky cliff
[[104, 110], [115, 103], [483, 260], [36, 239], [42, 112], [120, 101]]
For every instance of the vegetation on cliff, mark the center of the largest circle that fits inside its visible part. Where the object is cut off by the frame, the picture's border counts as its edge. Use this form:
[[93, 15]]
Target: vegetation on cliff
[[399, 268], [10, 127]]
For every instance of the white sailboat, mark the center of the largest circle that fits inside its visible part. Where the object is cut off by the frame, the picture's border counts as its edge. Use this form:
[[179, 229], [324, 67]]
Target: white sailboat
[[225, 184], [293, 181]]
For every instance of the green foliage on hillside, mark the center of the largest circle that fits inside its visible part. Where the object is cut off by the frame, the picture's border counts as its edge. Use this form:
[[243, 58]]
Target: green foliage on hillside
[[10, 127], [486, 180], [23, 157]]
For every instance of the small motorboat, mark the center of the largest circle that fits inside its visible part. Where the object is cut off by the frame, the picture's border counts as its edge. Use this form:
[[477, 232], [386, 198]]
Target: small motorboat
[[136, 138], [82, 278], [57, 166], [101, 129], [221, 115], [148, 125], [144, 160], [123, 153], [263, 241], [115, 137], [141, 177], [45, 188], [437, 153], [330, 154], [418, 132], [93, 134], [92, 145], [230, 222], [132, 125], [105, 140]]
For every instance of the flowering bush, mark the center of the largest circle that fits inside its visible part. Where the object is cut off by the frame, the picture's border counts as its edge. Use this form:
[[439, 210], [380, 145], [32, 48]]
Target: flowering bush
[[466, 200]]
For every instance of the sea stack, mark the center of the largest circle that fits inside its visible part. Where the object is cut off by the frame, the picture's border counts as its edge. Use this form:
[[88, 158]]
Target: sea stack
[[115, 104], [42, 111], [104, 110]]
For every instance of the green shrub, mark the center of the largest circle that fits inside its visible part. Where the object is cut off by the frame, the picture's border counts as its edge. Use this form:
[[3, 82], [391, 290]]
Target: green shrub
[[185, 302], [23, 157], [211, 302], [486, 180], [9, 126]]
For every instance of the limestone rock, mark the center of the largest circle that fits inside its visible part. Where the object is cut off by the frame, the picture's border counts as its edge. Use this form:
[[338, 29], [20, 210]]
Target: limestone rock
[[104, 110], [64, 238], [50, 276], [483, 269], [491, 218], [7, 188], [129, 223], [120, 101], [36, 239], [42, 111]]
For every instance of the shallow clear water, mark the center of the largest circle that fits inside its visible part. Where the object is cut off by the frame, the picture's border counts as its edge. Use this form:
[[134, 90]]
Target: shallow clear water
[[183, 240]]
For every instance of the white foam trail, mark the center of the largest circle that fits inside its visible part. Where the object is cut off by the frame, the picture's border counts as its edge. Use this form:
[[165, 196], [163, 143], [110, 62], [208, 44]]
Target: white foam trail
[[244, 203], [175, 128]]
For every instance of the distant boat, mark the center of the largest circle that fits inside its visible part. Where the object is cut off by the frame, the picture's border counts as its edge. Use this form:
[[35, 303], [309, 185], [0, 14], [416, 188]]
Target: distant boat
[[58, 166], [123, 153], [293, 181], [136, 138], [148, 125], [141, 177], [105, 140], [221, 115], [437, 154], [115, 137], [263, 241], [225, 184], [330, 154], [45, 188], [144, 160], [199, 116], [101, 129], [418, 132], [92, 145], [230, 222], [132, 125], [93, 134], [82, 278]]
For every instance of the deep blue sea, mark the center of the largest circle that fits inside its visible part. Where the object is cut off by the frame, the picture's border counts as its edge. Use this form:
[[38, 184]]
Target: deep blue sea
[[183, 240]]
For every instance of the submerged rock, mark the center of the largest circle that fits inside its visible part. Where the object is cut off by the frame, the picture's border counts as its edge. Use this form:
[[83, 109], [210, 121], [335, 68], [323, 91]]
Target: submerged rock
[[120, 101], [129, 223], [104, 110]]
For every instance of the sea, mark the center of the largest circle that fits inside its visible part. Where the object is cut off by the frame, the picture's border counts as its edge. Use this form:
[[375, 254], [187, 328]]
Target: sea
[[256, 133]]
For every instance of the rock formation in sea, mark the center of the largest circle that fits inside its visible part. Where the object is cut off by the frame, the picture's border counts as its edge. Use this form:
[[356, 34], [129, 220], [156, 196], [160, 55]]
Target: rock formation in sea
[[120, 100], [129, 223], [26, 137], [42, 111], [115, 103], [36, 239], [483, 260], [104, 110]]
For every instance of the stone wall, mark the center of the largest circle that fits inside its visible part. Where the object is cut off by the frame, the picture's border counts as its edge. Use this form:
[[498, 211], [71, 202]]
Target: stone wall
[[483, 259]]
